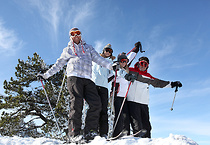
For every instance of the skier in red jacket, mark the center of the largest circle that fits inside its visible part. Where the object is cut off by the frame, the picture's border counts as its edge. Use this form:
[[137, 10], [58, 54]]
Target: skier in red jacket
[[138, 95]]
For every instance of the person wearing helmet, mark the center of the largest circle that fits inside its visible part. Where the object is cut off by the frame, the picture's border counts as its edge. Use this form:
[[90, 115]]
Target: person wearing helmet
[[100, 77], [122, 125], [138, 95]]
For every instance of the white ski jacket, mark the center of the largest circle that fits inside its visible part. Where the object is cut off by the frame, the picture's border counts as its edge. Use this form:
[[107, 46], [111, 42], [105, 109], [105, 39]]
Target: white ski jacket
[[79, 61], [123, 83], [139, 89]]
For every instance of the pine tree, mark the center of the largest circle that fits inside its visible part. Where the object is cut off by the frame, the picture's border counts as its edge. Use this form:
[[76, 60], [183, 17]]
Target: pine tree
[[25, 110]]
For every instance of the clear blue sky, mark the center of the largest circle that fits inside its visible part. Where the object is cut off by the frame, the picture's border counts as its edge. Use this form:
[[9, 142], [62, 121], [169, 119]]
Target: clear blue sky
[[174, 34]]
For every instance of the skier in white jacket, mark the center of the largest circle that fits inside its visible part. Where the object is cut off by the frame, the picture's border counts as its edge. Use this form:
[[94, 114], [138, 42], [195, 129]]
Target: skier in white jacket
[[138, 95], [123, 123], [79, 56]]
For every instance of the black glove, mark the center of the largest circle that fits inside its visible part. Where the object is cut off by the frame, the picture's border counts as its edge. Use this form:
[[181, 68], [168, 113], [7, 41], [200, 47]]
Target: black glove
[[41, 77], [130, 77], [136, 48], [176, 84], [116, 66]]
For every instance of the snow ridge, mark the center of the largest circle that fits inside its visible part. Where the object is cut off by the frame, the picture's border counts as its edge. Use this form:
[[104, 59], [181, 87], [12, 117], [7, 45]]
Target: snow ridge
[[171, 140]]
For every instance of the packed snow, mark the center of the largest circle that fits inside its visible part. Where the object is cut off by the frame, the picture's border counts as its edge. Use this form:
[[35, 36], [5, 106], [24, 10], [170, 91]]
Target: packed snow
[[171, 140]]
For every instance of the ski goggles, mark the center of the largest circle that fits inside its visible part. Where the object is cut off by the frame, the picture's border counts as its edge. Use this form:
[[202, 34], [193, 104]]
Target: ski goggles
[[73, 33], [109, 50], [143, 63], [124, 60]]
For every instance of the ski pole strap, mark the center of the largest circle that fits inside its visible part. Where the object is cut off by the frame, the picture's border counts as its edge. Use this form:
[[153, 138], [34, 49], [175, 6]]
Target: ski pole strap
[[141, 49], [134, 47]]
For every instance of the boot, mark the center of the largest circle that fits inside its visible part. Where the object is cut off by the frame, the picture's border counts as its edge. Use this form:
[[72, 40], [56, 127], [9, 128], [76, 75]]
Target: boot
[[91, 135]]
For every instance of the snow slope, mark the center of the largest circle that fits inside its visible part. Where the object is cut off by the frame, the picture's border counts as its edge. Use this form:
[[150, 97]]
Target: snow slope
[[171, 140]]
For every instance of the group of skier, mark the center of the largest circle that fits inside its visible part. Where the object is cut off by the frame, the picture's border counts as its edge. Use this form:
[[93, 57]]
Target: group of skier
[[88, 75]]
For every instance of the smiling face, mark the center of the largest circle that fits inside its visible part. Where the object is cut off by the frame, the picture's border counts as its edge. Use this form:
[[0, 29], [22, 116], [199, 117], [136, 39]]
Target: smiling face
[[76, 39], [143, 65], [75, 36], [107, 53], [123, 63]]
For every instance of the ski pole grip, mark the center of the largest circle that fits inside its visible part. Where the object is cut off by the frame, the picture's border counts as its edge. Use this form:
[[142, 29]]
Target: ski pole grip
[[176, 89]]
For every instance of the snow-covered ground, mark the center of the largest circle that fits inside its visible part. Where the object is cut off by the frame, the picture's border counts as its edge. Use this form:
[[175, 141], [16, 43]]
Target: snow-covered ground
[[171, 140]]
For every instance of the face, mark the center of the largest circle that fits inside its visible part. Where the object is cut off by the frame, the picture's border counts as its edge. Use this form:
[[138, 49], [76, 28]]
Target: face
[[143, 65], [76, 36], [108, 52], [123, 63]]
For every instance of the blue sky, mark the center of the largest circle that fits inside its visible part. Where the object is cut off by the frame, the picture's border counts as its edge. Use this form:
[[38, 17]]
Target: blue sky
[[174, 34]]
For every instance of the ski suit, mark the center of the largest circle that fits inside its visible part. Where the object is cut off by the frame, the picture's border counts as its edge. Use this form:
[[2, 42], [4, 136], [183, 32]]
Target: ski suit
[[79, 59], [121, 88], [100, 77], [138, 99]]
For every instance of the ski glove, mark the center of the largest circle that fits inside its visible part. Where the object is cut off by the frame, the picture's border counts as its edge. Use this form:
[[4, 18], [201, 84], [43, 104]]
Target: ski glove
[[136, 48], [41, 77], [130, 77], [116, 66], [176, 84]]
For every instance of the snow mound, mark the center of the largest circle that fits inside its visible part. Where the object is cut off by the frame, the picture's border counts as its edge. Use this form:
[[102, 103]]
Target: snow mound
[[171, 140]]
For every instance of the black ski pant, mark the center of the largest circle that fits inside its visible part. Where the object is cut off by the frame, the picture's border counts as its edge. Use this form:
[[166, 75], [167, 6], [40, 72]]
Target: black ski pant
[[123, 123], [103, 120], [80, 89], [139, 118]]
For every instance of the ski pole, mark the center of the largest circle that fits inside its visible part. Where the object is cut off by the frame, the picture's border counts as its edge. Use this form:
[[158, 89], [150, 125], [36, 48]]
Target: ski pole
[[61, 88], [174, 98], [130, 51], [51, 108], [112, 103], [121, 107]]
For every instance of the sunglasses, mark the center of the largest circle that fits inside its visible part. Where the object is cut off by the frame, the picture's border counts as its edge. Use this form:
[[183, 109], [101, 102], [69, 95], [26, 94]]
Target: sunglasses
[[73, 33], [143, 63], [124, 60], [109, 50]]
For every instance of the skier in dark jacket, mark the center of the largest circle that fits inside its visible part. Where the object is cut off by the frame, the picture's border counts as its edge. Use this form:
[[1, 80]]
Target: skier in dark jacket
[[138, 95], [79, 56]]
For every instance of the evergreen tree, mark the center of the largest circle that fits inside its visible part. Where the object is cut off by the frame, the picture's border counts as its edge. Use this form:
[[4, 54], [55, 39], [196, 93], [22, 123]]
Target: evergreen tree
[[25, 110]]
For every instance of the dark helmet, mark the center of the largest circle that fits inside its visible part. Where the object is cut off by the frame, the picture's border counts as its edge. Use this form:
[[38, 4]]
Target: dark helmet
[[144, 58], [122, 56]]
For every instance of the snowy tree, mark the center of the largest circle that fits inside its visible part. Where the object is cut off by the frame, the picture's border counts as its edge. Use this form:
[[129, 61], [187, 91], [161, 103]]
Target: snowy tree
[[25, 110]]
